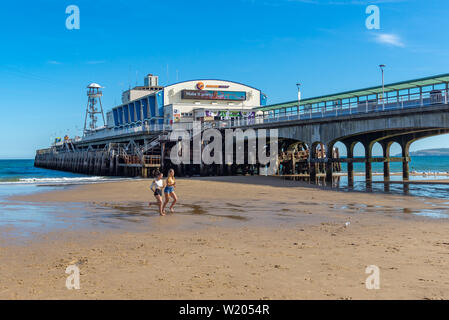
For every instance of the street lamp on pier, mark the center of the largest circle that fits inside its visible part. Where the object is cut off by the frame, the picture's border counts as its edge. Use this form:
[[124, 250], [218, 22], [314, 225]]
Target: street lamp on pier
[[382, 67], [298, 85]]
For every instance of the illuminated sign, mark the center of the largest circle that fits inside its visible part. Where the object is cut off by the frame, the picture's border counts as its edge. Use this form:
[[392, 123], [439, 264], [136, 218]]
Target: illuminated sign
[[213, 95], [200, 86], [217, 86]]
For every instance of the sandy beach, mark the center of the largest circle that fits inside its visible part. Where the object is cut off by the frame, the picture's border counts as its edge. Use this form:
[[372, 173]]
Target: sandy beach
[[235, 238]]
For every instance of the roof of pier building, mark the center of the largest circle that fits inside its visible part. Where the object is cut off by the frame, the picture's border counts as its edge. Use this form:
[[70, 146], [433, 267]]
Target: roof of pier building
[[403, 85]]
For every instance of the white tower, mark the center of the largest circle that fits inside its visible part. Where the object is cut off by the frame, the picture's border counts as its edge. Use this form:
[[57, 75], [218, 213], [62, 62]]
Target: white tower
[[94, 95]]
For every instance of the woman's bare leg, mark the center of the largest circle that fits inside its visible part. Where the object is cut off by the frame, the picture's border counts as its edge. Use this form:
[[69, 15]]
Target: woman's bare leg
[[167, 199], [175, 199], [159, 203]]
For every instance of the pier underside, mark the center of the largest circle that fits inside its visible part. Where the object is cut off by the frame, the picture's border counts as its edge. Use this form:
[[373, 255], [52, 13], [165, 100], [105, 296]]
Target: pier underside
[[403, 137], [141, 156], [304, 148]]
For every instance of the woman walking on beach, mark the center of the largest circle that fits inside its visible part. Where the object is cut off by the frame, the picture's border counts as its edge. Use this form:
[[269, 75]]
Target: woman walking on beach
[[170, 190], [156, 187]]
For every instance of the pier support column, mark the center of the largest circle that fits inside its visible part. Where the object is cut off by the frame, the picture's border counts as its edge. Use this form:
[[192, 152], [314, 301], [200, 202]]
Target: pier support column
[[313, 166], [329, 165], [293, 163], [405, 170], [350, 155], [111, 162], [329, 171], [350, 173], [312, 170], [386, 154], [228, 169], [178, 169], [368, 170], [116, 166], [368, 164], [387, 169], [405, 164], [89, 163], [103, 164], [221, 170]]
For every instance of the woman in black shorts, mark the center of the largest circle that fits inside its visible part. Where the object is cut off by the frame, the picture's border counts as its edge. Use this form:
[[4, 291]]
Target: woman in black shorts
[[156, 187]]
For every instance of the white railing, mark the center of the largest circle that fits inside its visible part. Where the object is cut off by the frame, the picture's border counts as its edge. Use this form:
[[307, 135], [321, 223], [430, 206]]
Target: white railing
[[309, 112], [304, 112], [114, 132]]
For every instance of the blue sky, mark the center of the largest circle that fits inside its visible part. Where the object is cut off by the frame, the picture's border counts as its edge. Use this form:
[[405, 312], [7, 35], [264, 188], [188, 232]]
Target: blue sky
[[44, 68]]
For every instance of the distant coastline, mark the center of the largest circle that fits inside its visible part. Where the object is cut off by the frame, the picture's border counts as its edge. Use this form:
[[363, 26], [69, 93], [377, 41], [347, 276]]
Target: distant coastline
[[429, 152]]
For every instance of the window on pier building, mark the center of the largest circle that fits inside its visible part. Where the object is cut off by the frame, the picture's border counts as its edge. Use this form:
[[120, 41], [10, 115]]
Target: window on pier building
[[126, 113], [116, 119], [137, 106], [152, 106], [120, 115], [145, 108], [131, 112]]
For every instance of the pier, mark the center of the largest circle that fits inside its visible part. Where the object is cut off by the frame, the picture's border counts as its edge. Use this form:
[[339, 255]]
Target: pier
[[308, 131]]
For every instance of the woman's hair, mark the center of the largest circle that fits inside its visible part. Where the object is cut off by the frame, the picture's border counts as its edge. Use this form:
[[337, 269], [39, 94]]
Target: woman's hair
[[171, 171], [157, 173]]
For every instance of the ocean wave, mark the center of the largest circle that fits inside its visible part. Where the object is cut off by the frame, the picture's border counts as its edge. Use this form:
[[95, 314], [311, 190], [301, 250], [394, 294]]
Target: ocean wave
[[55, 181]]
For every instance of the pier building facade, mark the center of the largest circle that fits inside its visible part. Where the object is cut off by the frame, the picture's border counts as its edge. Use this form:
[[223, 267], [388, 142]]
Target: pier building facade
[[183, 102]]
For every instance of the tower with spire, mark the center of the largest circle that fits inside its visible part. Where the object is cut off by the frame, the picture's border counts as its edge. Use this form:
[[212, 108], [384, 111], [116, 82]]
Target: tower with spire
[[94, 95]]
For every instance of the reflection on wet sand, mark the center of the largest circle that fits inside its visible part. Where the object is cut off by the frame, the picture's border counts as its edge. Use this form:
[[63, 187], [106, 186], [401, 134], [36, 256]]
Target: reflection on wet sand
[[252, 206], [199, 210], [264, 214], [128, 211], [434, 189], [435, 212]]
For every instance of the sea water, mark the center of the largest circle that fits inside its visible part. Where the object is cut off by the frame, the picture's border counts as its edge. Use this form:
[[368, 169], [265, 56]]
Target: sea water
[[15, 172], [422, 164], [23, 172]]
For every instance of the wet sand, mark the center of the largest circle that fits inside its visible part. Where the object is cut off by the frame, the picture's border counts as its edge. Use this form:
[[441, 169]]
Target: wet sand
[[236, 238]]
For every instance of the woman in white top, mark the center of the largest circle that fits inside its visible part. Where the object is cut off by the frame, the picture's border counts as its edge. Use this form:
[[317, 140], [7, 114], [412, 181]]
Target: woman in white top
[[156, 187]]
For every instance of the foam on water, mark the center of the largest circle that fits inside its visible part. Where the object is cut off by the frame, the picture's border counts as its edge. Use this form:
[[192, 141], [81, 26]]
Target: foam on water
[[57, 181], [23, 172]]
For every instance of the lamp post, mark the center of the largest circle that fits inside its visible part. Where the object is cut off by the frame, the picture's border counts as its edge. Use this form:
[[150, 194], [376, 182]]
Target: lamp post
[[382, 66], [298, 85]]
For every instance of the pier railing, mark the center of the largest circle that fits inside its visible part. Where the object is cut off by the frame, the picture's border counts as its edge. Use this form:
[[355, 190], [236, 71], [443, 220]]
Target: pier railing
[[328, 109], [138, 129], [342, 108], [130, 130], [351, 106]]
